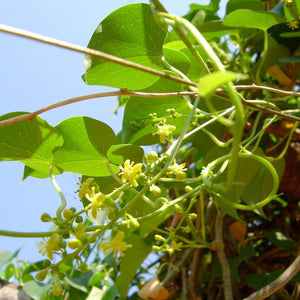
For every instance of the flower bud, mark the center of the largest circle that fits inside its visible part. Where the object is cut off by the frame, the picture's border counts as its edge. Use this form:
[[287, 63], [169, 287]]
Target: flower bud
[[45, 217], [74, 243], [68, 214], [40, 276], [188, 188], [159, 238], [83, 267], [156, 248], [180, 175], [193, 216], [152, 156], [79, 219], [155, 190]]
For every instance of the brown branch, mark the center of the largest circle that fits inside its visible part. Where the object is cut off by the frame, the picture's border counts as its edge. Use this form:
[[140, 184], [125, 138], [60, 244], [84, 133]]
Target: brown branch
[[266, 88], [92, 52], [278, 283], [31, 116], [222, 257], [271, 111]]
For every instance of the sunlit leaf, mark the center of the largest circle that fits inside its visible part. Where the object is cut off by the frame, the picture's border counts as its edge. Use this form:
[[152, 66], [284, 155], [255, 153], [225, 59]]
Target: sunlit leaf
[[209, 83], [36, 290], [132, 33], [117, 154], [177, 59], [30, 142], [132, 260], [214, 29], [252, 19], [86, 142], [242, 4]]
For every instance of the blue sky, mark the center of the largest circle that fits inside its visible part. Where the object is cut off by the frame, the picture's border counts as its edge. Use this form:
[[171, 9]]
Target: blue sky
[[34, 75]]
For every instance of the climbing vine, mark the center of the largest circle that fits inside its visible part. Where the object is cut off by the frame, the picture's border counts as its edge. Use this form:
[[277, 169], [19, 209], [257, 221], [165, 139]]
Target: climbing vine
[[205, 212]]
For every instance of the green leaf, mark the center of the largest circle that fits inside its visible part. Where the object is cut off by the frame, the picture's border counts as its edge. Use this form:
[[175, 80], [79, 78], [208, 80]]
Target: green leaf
[[137, 124], [117, 154], [215, 29], [132, 33], [30, 142], [36, 290], [104, 294], [242, 4], [209, 83], [5, 256], [203, 142], [281, 240], [252, 19], [95, 294], [261, 184], [80, 282], [177, 59], [132, 260], [86, 142], [257, 281], [194, 71]]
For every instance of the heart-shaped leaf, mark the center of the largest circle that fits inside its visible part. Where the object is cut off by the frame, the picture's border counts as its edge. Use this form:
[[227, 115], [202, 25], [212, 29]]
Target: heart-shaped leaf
[[30, 142], [132, 33], [86, 142]]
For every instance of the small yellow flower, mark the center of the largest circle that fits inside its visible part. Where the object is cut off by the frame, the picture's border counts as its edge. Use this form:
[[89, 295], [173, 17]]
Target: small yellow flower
[[85, 188], [79, 231], [129, 172], [178, 170], [165, 132], [50, 245], [96, 202], [117, 244], [176, 246], [293, 24]]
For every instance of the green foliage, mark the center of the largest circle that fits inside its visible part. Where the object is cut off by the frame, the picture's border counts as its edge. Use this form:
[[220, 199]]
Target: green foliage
[[218, 152], [130, 32]]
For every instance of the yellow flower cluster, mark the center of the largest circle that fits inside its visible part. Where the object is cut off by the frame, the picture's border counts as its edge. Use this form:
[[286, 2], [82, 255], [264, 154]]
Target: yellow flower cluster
[[130, 171], [165, 132], [293, 24], [48, 246], [116, 245]]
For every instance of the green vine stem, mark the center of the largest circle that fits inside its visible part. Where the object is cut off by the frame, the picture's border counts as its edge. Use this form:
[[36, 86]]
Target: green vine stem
[[184, 39], [29, 234], [238, 125], [213, 190], [61, 195]]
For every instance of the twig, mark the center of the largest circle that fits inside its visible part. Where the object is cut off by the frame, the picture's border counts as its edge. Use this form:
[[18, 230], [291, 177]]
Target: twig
[[92, 52], [31, 116], [222, 257], [174, 271], [272, 111], [278, 283], [266, 88]]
